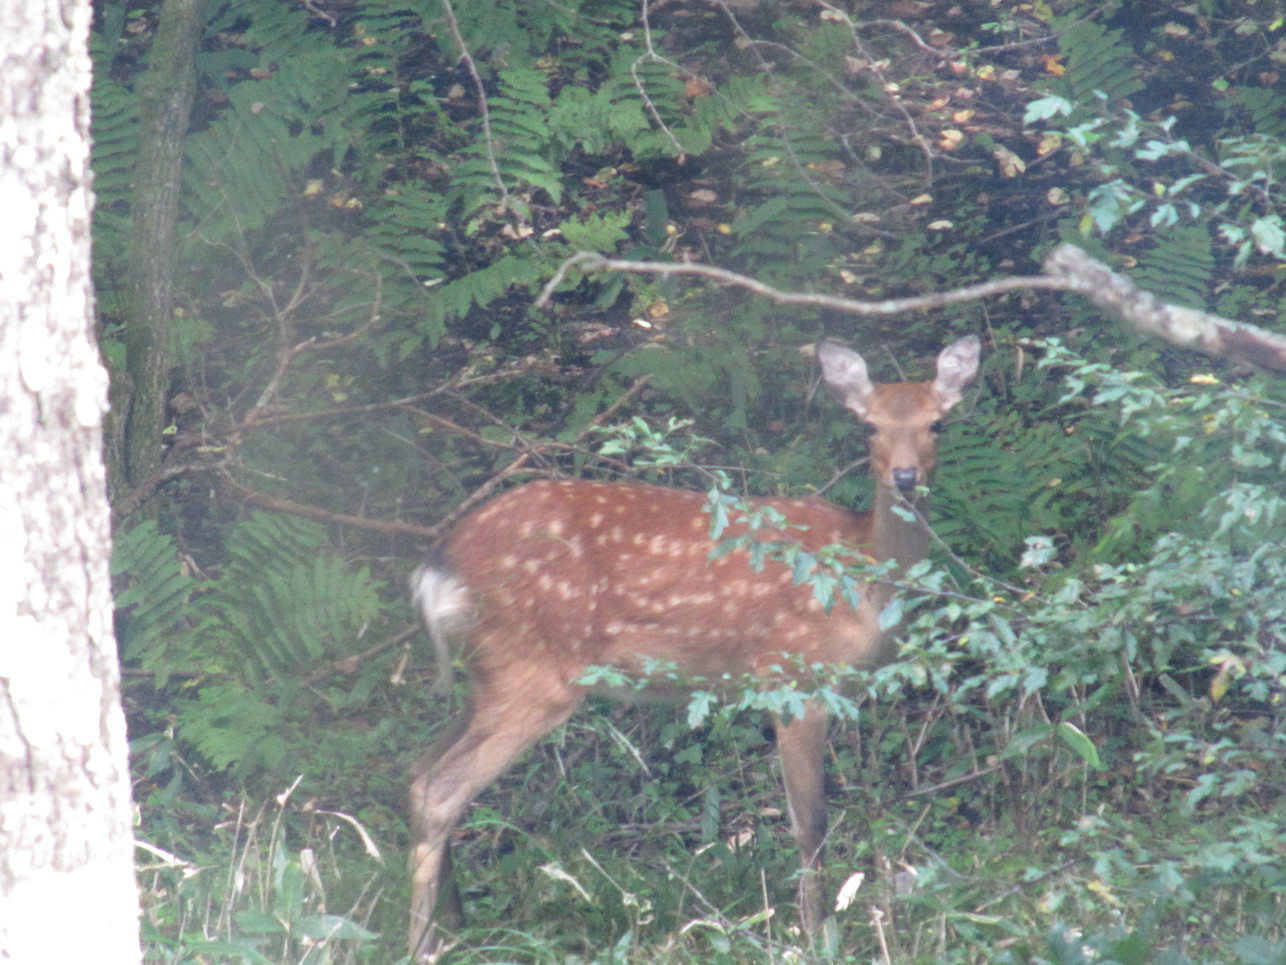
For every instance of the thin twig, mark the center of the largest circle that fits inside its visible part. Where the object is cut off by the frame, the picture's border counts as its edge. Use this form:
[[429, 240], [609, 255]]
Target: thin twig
[[254, 497], [650, 54], [933, 789], [783, 128], [487, 488], [289, 353], [890, 89], [484, 109], [639, 384]]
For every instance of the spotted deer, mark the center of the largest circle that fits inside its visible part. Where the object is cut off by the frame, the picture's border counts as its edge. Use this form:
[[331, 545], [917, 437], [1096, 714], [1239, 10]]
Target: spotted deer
[[555, 577]]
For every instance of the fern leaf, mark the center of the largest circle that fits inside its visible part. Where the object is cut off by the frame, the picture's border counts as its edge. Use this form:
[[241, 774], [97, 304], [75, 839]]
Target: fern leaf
[[285, 604], [153, 596], [1097, 60], [1180, 267]]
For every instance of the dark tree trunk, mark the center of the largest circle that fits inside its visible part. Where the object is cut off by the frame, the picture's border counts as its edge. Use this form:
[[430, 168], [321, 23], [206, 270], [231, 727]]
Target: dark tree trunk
[[141, 392]]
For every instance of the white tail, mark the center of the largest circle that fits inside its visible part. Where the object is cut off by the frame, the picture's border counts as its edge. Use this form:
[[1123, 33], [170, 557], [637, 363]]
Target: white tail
[[443, 602], [555, 577]]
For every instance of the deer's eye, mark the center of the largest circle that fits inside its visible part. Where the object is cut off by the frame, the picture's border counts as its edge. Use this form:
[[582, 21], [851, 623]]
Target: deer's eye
[[936, 427]]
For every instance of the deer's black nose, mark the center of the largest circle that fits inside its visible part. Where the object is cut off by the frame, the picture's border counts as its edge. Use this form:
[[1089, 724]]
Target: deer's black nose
[[905, 479]]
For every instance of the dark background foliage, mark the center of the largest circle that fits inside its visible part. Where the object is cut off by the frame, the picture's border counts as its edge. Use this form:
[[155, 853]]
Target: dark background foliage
[[1080, 756]]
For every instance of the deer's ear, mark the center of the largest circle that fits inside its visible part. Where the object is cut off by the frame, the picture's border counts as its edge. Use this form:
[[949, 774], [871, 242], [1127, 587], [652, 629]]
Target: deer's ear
[[957, 367], [845, 372]]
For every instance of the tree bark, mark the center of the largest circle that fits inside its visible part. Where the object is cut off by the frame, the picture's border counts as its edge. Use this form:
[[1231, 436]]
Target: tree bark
[[167, 91], [1199, 331], [67, 889]]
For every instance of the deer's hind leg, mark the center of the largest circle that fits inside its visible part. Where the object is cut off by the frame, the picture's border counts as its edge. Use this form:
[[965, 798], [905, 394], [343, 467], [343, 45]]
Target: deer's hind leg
[[508, 713]]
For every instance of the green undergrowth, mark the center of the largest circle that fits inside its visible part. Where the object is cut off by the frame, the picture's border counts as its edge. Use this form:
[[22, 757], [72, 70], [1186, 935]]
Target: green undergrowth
[[1079, 762], [945, 847]]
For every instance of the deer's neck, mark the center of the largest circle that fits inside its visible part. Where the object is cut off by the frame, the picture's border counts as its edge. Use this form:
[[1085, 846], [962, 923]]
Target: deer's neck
[[892, 536]]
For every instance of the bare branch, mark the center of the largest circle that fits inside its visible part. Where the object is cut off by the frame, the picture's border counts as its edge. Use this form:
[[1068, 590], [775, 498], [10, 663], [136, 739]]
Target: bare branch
[[267, 501], [288, 353], [1187, 327], [1067, 268], [589, 262], [638, 386]]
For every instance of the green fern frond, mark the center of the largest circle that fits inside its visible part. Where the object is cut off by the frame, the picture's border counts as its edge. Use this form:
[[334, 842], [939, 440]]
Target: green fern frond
[[1097, 60], [797, 204], [115, 147], [492, 25], [401, 230], [521, 152], [242, 169], [230, 724], [648, 91], [251, 162], [790, 229], [735, 99], [281, 27], [478, 289], [1180, 267], [269, 541], [283, 603], [597, 232], [595, 120], [1266, 107], [153, 596]]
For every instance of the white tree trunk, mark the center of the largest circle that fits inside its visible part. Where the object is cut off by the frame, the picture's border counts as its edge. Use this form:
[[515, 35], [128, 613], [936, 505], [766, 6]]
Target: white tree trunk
[[67, 889]]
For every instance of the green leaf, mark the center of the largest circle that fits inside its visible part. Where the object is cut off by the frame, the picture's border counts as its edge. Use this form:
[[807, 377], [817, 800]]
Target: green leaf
[[1044, 108], [323, 927], [259, 923], [1076, 739], [226, 950], [699, 707], [892, 613]]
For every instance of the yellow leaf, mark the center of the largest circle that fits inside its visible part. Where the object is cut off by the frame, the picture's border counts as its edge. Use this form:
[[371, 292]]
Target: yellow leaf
[[1011, 165], [1049, 142], [1219, 684]]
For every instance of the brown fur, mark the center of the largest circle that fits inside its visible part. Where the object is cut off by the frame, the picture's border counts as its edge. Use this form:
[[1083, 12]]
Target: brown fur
[[556, 577]]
